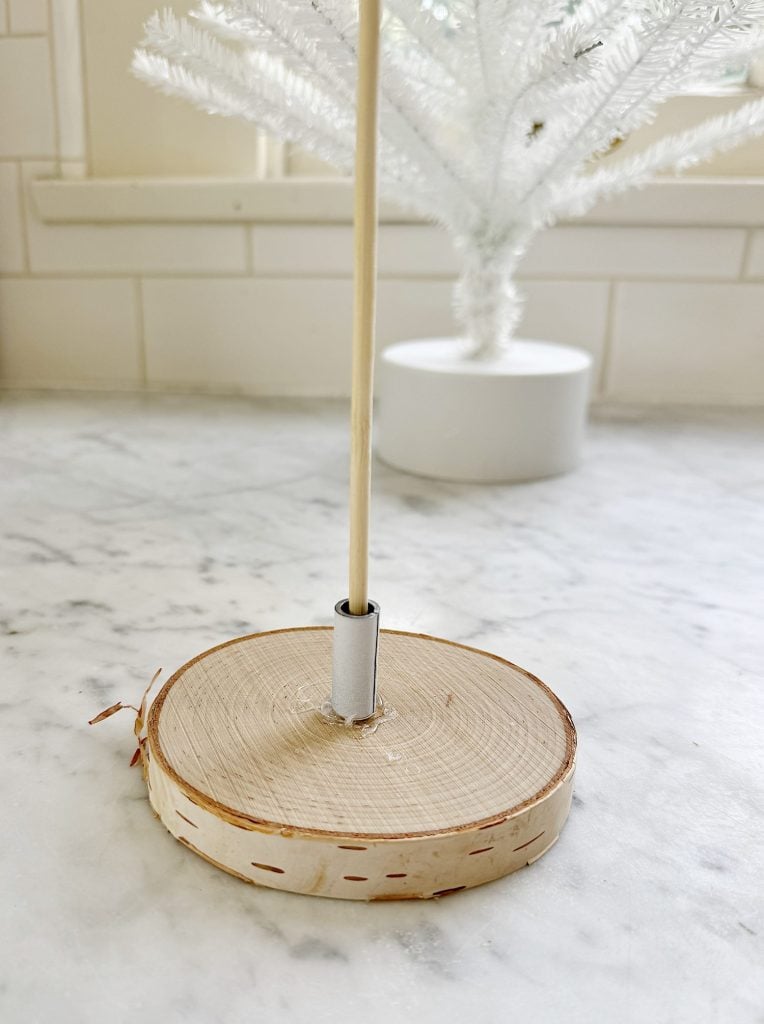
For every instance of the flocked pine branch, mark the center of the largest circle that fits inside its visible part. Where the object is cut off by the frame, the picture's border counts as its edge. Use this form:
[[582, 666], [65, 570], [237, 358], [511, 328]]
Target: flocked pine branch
[[675, 153], [491, 111]]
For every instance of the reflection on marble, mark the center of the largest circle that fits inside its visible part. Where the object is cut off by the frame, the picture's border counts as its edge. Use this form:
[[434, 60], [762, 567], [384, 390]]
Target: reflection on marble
[[138, 531]]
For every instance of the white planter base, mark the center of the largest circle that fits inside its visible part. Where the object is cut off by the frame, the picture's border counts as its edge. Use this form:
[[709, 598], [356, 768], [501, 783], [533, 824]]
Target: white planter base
[[446, 416]]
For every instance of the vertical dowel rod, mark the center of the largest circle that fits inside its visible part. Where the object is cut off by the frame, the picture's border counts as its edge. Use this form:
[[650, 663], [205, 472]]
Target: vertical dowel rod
[[365, 248]]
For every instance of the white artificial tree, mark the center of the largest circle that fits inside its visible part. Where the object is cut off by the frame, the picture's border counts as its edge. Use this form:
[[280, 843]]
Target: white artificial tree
[[492, 111]]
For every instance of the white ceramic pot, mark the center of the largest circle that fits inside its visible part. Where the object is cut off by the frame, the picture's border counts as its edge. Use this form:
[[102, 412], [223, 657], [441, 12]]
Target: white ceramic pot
[[519, 417]]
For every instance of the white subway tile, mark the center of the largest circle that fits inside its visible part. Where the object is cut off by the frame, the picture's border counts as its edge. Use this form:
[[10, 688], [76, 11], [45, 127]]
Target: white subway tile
[[416, 249], [316, 249], [11, 227], [29, 16], [709, 201], [68, 331], [405, 250], [135, 248], [701, 343], [636, 252], [571, 312], [26, 100], [755, 266], [264, 337], [424, 250], [131, 248], [414, 309]]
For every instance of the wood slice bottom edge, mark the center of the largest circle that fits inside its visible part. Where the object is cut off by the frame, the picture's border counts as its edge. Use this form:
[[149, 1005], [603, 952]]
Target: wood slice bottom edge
[[345, 864]]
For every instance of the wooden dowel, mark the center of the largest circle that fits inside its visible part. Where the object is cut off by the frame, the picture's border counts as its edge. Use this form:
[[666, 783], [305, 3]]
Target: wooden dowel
[[365, 250]]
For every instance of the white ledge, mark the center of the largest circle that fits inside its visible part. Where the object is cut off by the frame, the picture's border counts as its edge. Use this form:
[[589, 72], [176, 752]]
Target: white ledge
[[670, 201]]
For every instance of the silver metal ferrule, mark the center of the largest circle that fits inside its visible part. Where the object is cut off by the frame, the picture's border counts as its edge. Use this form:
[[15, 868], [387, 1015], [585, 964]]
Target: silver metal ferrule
[[354, 657]]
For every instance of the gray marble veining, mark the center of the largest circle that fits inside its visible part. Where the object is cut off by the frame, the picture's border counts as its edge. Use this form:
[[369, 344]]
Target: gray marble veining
[[137, 531]]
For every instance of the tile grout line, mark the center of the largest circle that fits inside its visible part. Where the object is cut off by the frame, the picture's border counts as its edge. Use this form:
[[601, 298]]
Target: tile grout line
[[744, 277], [23, 213], [29, 159], [604, 375], [249, 247], [277, 275], [141, 326]]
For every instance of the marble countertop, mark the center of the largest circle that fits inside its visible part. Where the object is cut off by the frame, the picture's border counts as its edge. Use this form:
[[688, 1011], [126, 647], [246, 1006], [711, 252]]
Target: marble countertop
[[137, 531]]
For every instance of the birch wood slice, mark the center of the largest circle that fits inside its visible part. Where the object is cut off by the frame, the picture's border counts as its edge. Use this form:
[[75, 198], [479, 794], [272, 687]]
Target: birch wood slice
[[465, 776]]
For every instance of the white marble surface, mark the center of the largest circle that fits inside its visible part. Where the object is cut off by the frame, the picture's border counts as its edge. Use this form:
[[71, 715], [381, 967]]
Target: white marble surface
[[138, 531]]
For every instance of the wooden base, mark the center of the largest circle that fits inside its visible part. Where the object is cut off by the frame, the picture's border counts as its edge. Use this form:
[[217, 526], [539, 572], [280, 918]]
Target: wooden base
[[465, 774]]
